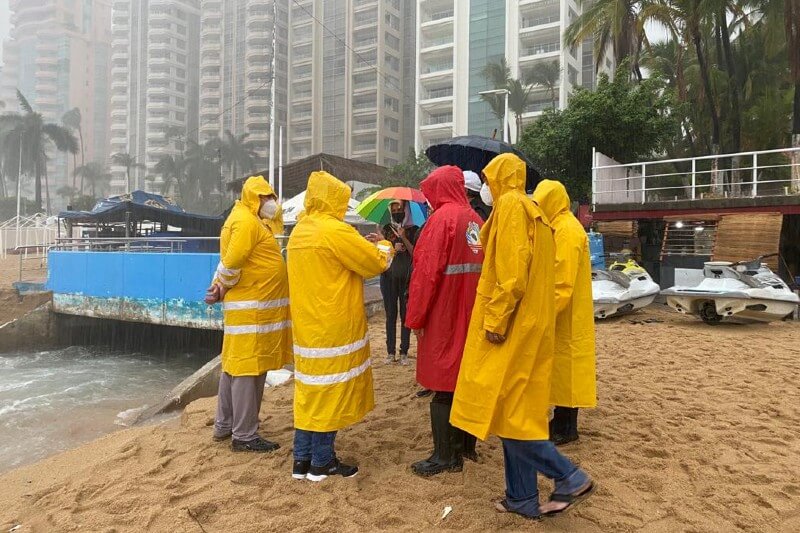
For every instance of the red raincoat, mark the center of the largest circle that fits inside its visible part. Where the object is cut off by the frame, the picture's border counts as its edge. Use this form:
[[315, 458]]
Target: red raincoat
[[444, 279]]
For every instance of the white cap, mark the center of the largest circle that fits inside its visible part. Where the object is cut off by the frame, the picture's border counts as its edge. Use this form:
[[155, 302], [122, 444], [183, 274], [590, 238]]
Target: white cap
[[472, 181]]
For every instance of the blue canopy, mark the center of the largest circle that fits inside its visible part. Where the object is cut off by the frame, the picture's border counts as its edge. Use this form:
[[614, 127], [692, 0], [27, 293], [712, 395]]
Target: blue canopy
[[145, 206]]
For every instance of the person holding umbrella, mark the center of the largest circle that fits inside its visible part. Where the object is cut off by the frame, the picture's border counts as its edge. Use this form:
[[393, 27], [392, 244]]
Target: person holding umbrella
[[399, 210]]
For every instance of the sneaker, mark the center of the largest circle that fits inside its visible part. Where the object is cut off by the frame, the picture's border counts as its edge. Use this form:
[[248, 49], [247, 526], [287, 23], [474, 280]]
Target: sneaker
[[258, 445], [334, 468], [301, 468], [404, 359], [390, 358]]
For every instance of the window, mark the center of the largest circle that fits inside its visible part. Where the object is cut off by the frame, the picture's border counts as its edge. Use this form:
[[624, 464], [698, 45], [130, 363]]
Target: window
[[392, 41], [392, 21], [391, 103], [391, 124], [180, 87], [391, 145], [392, 62]]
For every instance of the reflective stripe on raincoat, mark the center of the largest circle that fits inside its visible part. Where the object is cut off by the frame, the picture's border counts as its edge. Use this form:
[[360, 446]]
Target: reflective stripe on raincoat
[[256, 307], [447, 266], [504, 389], [574, 380], [328, 261]]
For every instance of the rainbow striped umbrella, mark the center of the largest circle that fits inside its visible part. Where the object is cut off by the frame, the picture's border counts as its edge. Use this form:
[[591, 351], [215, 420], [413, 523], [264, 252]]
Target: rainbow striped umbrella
[[375, 207]]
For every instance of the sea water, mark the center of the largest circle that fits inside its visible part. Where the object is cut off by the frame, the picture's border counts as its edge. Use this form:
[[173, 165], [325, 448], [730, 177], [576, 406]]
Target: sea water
[[51, 401]]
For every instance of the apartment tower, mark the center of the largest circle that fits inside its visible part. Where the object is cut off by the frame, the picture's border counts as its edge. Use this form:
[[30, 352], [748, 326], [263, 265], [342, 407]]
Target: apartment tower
[[236, 70], [456, 39], [155, 84], [351, 72], [58, 55]]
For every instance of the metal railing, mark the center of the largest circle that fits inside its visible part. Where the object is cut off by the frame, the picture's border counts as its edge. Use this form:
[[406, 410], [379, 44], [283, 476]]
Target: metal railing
[[128, 244], [739, 175], [36, 254]]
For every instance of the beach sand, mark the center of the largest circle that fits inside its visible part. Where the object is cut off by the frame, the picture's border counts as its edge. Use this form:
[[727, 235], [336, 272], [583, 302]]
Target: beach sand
[[696, 430]]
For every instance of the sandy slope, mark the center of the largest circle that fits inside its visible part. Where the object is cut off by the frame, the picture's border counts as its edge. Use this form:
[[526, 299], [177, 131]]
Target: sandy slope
[[697, 430]]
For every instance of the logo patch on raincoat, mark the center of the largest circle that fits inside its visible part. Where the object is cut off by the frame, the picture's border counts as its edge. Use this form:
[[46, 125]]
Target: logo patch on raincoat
[[474, 237]]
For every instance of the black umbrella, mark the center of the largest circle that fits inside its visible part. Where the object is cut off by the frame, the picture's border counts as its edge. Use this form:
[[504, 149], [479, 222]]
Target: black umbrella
[[473, 152]]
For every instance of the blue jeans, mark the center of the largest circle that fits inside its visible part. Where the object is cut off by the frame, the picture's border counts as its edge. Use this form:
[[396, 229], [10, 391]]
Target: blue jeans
[[316, 446], [524, 459]]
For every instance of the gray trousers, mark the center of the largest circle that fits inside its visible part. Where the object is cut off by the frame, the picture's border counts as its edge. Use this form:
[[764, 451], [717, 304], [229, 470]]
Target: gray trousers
[[238, 404]]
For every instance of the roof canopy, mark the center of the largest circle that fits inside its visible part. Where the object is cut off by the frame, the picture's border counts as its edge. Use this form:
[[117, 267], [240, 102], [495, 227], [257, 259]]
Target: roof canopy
[[145, 207]]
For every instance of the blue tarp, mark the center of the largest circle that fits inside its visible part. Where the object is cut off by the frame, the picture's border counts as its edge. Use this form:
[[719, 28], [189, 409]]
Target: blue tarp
[[145, 206]]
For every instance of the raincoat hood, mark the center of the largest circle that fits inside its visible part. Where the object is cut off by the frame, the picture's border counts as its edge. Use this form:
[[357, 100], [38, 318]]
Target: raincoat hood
[[326, 195], [505, 173], [252, 190], [444, 185], [552, 197]]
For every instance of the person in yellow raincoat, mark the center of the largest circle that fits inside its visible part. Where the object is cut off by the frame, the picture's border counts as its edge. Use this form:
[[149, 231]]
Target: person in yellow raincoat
[[574, 380], [503, 385], [328, 262], [252, 284]]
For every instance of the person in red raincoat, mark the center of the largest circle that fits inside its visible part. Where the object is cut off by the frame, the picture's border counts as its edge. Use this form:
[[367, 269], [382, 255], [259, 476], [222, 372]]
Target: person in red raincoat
[[446, 269]]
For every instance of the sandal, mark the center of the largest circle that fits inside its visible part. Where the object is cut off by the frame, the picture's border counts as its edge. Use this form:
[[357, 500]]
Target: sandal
[[501, 506], [570, 499]]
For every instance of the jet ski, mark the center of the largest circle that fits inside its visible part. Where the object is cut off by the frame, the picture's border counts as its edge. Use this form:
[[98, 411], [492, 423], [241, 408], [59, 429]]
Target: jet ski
[[744, 292], [622, 288]]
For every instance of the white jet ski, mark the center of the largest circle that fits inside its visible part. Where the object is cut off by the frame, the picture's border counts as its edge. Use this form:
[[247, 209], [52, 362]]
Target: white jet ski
[[742, 292], [623, 288]]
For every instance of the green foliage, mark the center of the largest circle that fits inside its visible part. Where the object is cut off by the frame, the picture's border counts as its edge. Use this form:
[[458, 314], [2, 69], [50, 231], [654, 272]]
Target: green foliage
[[624, 120], [8, 207], [411, 171]]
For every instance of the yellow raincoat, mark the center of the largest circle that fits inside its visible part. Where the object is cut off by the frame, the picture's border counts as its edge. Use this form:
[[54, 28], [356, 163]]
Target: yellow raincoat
[[574, 380], [504, 389], [258, 333], [328, 261], [276, 223]]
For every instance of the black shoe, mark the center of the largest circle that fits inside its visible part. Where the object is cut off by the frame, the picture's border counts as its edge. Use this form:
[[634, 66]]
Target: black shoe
[[469, 447], [300, 469], [448, 445], [423, 393], [564, 425], [334, 468], [258, 445]]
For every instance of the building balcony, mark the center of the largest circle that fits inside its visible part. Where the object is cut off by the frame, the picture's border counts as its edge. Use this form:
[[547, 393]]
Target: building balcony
[[436, 70], [47, 60], [444, 16], [534, 51], [535, 23]]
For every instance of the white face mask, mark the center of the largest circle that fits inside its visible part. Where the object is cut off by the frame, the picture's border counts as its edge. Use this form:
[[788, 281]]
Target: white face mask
[[268, 209], [486, 195]]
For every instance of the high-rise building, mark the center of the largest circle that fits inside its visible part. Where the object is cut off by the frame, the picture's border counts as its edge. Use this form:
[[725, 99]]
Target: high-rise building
[[57, 55], [456, 39], [236, 70], [349, 66], [155, 74]]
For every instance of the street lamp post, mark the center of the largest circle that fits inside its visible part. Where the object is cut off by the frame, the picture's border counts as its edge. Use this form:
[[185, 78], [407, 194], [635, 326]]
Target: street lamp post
[[505, 93]]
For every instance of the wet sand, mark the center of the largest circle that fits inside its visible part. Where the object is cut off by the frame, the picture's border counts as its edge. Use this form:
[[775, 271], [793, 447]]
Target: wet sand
[[697, 430]]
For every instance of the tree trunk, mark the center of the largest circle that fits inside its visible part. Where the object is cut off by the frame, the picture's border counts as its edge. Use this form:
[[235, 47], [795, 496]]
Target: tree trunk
[[46, 189], [716, 186], [38, 187], [128, 175], [736, 98]]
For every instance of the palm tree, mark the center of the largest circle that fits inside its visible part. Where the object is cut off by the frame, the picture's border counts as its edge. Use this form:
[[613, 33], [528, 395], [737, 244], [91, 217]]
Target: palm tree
[[614, 22], [546, 75], [97, 176], [238, 152], [129, 162], [519, 96], [203, 164], [497, 74], [72, 120], [35, 134], [173, 171]]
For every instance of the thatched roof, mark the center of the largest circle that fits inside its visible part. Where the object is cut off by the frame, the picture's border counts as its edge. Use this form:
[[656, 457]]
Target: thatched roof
[[295, 175]]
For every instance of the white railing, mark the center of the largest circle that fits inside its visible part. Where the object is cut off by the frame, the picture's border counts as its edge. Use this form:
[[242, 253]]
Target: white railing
[[740, 175]]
